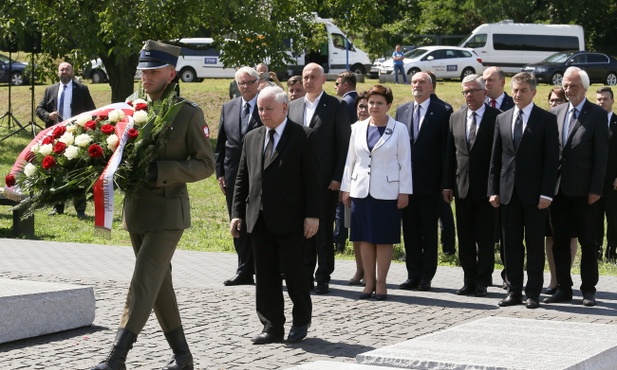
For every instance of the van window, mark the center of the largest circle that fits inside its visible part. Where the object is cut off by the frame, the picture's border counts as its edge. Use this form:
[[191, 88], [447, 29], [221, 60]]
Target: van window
[[534, 42], [478, 41], [201, 51]]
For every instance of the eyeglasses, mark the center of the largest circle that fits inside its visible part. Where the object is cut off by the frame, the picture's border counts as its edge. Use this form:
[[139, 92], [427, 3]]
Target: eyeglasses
[[465, 92], [362, 106], [247, 83]]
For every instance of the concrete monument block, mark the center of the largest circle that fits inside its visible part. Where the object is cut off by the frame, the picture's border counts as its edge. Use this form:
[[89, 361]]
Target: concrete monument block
[[29, 309]]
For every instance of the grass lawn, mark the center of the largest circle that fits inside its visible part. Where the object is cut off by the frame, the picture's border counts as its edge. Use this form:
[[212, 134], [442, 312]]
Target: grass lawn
[[209, 213]]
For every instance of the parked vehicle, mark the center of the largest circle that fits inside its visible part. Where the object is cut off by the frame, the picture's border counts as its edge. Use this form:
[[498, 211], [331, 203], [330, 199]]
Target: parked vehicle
[[446, 62], [512, 45], [374, 72], [199, 59], [97, 72], [12, 71], [600, 67]]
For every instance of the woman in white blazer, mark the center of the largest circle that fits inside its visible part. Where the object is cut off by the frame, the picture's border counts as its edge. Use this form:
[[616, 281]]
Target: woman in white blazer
[[376, 185]]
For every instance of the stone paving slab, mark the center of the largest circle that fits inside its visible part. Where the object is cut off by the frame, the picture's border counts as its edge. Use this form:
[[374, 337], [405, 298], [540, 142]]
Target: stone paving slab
[[220, 321], [331, 365]]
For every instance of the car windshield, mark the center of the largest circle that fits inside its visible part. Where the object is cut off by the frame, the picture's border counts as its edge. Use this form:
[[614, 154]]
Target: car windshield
[[414, 53], [559, 57]]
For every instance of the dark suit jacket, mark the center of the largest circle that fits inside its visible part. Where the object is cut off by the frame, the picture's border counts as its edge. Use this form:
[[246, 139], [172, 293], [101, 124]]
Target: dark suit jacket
[[350, 99], [288, 187], [229, 140], [531, 169], [611, 166], [584, 155], [506, 103], [82, 102], [466, 169], [428, 152], [331, 124]]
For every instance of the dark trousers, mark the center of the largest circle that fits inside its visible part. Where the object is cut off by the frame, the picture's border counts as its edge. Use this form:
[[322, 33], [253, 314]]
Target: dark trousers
[[523, 222], [475, 225], [568, 214], [420, 219], [607, 205], [340, 231], [242, 244], [277, 254], [79, 203], [151, 286], [446, 225], [320, 248]]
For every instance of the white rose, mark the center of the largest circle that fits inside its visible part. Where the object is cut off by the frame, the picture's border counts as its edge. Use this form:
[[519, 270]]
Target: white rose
[[29, 170], [112, 141], [140, 117], [82, 119], [70, 128], [46, 149], [71, 152], [67, 138], [35, 148], [83, 140], [116, 115]]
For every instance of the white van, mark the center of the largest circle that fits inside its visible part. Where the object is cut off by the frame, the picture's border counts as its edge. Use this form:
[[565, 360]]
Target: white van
[[333, 56], [200, 59], [512, 45]]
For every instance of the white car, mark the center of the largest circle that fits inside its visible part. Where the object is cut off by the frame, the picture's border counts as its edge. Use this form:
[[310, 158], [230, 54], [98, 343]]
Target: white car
[[446, 62]]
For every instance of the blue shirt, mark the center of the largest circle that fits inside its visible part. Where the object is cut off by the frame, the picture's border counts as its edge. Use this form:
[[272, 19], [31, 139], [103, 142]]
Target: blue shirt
[[397, 54]]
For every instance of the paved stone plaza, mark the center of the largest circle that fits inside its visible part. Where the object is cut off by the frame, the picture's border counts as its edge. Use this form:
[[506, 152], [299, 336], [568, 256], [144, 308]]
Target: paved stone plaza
[[220, 321]]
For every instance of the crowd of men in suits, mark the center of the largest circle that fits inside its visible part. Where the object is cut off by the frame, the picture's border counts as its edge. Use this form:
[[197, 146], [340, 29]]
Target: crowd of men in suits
[[513, 169]]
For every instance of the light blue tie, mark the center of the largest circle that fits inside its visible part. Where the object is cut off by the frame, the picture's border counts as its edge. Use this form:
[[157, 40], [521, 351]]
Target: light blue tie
[[61, 105]]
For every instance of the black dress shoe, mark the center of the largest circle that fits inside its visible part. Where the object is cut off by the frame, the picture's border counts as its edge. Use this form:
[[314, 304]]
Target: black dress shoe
[[589, 300], [267, 337], [550, 291], [480, 291], [410, 284], [239, 280], [81, 215], [466, 289], [424, 285], [297, 333], [365, 295], [512, 299], [381, 297], [559, 296], [532, 303], [322, 288]]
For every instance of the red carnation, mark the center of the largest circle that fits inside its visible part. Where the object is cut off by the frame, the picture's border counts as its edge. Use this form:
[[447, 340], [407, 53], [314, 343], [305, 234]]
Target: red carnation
[[102, 117], [133, 133], [58, 131], [48, 162], [95, 151], [9, 180], [90, 125], [30, 156], [59, 147], [141, 106], [48, 140], [108, 129]]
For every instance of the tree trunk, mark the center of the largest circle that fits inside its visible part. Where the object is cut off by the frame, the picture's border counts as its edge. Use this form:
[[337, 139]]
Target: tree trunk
[[121, 72]]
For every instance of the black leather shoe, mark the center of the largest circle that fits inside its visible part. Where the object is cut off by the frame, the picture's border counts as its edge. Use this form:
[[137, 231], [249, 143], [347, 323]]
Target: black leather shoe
[[559, 296], [480, 291], [365, 295], [266, 337], [512, 299], [532, 303], [589, 300], [322, 288], [381, 297], [297, 333], [424, 285], [550, 291], [239, 280], [466, 290], [410, 284], [81, 215]]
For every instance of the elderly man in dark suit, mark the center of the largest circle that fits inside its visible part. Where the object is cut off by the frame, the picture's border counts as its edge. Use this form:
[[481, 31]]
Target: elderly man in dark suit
[[427, 122], [468, 156], [522, 177], [61, 101], [584, 136], [329, 118], [277, 196], [495, 80], [238, 117]]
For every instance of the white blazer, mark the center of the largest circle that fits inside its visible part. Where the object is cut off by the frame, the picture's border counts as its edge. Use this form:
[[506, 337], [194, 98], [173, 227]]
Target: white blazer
[[384, 172]]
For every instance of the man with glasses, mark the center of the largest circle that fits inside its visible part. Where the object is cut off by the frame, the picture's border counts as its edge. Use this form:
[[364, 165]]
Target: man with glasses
[[468, 156], [238, 116]]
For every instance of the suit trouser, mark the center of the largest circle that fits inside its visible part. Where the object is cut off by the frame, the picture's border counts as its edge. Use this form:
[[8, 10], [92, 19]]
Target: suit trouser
[[568, 214], [151, 286], [420, 219], [242, 244], [320, 249], [446, 223], [341, 233], [276, 254], [526, 222], [475, 224], [607, 205]]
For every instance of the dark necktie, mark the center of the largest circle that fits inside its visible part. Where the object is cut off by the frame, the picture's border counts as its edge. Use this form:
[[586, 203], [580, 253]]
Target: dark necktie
[[269, 152], [472, 130], [493, 103], [246, 117], [415, 124], [61, 104], [571, 124], [518, 129]]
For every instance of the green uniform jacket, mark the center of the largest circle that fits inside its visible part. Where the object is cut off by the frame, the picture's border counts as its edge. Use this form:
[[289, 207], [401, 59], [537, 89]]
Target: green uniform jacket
[[186, 157]]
